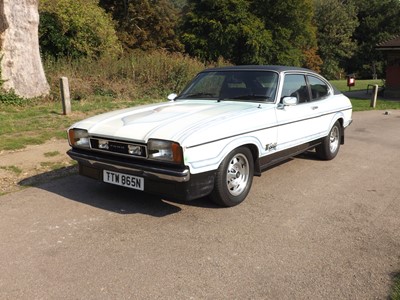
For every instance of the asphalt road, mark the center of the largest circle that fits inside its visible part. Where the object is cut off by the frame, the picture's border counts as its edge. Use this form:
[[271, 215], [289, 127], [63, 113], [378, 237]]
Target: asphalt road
[[309, 229]]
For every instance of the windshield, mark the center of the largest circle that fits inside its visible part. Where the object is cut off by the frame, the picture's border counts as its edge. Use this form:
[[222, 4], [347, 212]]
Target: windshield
[[233, 85]]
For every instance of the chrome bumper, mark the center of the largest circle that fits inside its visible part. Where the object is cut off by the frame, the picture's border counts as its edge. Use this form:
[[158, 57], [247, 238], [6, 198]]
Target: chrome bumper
[[99, 162]]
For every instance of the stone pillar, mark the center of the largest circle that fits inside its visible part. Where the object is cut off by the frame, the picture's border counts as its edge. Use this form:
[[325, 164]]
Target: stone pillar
[[21, 64]]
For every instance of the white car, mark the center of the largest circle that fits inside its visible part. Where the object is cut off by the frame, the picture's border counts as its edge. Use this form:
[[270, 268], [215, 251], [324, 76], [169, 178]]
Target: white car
[[227, 125]]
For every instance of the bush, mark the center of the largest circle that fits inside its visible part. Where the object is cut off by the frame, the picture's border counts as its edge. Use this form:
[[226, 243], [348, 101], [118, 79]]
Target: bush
[[76, 29], [138, 75]]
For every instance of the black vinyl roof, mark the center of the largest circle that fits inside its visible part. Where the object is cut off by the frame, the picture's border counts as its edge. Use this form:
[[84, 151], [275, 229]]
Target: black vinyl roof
[[278, 69]]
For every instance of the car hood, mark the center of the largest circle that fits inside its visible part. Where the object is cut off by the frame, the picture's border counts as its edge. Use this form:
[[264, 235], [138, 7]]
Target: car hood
[[186, 122]]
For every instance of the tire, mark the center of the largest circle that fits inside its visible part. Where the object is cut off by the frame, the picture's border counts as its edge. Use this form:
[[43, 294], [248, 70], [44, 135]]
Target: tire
[[331, 143], [234, 178]]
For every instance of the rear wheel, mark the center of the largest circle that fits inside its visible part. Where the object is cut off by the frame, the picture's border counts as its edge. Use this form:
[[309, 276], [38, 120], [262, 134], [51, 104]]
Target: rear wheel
[[234, 178], [331, 143]]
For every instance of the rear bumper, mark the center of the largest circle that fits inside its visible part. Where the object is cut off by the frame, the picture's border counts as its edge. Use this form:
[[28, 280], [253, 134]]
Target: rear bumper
[[175, 183]]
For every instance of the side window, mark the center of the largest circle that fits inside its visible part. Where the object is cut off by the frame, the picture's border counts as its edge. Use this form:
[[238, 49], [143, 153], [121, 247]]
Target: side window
[[319, 89], [295, 86]]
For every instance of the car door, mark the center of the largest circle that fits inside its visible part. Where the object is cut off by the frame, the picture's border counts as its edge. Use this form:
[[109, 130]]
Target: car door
[[323, 103], [297, 123]]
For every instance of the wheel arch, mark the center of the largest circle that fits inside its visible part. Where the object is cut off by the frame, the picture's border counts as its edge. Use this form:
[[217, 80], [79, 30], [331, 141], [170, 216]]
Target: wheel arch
[[211, 162], [255, 153], [339, 118], [341, 122]]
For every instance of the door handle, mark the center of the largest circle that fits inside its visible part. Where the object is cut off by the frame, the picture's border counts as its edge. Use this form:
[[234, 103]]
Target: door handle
[[314, 107]]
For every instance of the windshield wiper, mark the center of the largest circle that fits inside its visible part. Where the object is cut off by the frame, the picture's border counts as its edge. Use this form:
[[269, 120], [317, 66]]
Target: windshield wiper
[[248, 97]]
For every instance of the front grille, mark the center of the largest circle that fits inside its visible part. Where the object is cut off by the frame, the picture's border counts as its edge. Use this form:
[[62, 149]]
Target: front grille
[[118, 147]]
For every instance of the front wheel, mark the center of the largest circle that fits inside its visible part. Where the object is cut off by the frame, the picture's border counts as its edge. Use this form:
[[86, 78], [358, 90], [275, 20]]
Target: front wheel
[[331, 143], [234, 178]]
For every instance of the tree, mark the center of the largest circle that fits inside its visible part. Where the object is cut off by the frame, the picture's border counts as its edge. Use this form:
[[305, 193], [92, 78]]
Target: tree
[[379, 21], [336, 21], [21, 65], [292, 28], [76, 29], [180, 4], [144, 24], [212, 29]]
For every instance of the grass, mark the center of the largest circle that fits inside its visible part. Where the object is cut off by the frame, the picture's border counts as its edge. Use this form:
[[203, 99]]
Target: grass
[[13, 169], [34, 123], [395, 294], [52, 166], [361, 84], [52, 154], [364, 104]]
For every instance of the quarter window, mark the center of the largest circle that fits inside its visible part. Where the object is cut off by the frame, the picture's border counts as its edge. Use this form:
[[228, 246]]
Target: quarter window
[[319, 89]]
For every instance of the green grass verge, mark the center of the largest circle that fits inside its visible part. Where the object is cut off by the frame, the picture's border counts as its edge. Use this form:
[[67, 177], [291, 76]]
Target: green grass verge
[[360, 85], [364, 104], [35, 122]]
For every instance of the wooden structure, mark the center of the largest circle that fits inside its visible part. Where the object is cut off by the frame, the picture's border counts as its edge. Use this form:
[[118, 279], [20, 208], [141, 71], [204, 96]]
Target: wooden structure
[[392, 50]]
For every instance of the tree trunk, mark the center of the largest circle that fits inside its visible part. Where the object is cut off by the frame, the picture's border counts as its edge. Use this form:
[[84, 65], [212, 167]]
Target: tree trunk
[[21, 65]]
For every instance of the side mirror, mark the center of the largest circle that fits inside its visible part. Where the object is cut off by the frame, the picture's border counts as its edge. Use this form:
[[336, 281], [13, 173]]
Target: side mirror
[[289, 101], [172, 97]]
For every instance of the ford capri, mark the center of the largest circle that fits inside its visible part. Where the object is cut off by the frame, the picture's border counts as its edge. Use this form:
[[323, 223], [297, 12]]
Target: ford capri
[[226, 126]]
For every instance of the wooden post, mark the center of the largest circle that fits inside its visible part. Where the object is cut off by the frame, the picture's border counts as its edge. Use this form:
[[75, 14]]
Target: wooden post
[[374, 96], [65, 96]]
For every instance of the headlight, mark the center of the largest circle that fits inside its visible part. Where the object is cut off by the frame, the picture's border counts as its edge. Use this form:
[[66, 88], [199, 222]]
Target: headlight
[[165, 151], [78, 138]]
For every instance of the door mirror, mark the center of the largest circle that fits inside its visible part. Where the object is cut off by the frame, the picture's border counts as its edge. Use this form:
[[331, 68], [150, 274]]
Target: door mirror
[[289, 101], [172, 97]]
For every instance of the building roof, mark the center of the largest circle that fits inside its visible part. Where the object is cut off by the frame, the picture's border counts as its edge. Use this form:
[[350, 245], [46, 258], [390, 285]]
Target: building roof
[[392, 44]]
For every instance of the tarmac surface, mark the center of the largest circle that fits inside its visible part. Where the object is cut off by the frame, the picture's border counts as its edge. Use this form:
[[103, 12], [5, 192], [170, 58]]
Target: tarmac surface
[[309, 229]]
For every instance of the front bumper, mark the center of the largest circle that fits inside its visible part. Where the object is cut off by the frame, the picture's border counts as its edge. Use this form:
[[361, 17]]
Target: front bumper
[[160, 180]]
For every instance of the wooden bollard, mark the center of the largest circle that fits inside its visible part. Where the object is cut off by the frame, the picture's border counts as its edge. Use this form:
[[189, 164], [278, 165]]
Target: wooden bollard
[[65, 95], [374, 96]]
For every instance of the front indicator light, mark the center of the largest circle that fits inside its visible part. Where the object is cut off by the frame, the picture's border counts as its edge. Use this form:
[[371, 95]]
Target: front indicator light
[[165, 151], [78, 138]]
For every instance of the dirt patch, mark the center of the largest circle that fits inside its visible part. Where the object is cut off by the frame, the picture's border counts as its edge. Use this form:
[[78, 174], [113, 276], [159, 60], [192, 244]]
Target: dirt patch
[[34, 164]]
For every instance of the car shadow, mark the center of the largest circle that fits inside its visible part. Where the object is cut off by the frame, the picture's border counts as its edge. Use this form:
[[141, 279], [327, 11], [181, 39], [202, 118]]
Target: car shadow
[[309, 155], [68, 184]]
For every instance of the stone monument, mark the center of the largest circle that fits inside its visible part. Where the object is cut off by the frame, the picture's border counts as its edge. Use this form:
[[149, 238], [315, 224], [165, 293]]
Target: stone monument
[[21, 64]]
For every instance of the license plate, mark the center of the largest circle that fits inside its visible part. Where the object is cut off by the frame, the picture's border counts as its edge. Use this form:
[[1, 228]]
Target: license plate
[[125, 180]]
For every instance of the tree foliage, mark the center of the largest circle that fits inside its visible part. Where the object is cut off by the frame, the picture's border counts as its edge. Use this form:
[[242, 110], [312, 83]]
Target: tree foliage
[[78, 28], [325, 35], [336, 21], [145, 24], [225, 28], [180, 4], [292, 28], [379, 21]]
